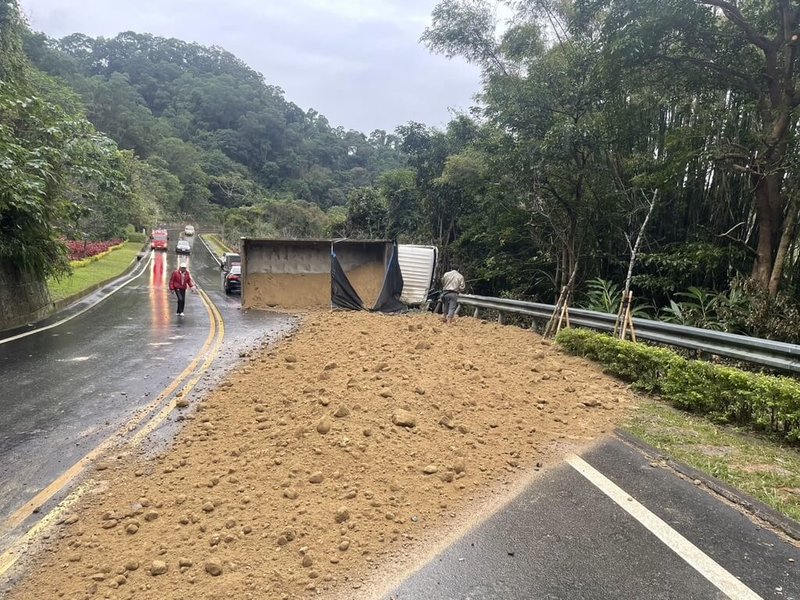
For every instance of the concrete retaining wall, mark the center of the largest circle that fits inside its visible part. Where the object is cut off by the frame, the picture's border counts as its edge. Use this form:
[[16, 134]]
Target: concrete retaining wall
[[23, 299]]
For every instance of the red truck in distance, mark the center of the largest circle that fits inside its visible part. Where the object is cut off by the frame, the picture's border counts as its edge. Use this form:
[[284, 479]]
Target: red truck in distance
[[159, 239]]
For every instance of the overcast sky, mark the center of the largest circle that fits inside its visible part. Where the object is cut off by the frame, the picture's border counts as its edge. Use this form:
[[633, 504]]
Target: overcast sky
[[358, 62]]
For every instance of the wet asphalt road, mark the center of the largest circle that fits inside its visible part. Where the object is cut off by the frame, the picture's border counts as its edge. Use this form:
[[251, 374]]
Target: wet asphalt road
[[68, 388], [562, 538]]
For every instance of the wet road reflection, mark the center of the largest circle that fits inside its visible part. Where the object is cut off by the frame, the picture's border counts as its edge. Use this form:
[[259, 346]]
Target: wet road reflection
[[76, 384], [159, 297]]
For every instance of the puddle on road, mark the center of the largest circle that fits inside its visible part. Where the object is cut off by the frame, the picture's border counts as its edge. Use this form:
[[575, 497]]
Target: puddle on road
[[77, 358]]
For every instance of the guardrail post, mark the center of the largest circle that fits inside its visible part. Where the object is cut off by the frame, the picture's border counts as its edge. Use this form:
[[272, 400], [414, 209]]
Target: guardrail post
[[500, 317], [475, 314]]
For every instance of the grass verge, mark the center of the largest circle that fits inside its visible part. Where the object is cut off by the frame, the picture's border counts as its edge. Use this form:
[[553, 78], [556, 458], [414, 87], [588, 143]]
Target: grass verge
[[107, 267], [217, 245], [763, 468]]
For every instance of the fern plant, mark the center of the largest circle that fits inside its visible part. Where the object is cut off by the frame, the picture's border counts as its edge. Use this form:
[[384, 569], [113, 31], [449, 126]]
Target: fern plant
[[603, 295], [700, 308]]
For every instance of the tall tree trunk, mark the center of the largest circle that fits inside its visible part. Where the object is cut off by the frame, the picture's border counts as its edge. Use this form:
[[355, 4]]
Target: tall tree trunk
[[635, 248], [772, 219], [778, 99], [768, 216], [787, 237]]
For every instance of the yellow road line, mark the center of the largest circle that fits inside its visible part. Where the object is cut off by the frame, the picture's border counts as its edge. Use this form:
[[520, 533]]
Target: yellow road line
[[159, 418], [209, 349], [67, 476], [9, 558]]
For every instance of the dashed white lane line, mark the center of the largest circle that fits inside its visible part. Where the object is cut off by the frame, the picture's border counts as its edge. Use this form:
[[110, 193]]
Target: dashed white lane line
[[696, 558]]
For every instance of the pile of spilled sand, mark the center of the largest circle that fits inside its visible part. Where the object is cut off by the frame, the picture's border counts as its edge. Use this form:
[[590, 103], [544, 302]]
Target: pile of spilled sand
[[327, 466]]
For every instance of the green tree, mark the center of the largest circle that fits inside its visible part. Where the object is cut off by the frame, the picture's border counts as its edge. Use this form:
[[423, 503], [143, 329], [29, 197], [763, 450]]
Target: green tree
[[745, 54], [366, 214], [46, 155], [141, 89], [403, 208], [183, 160], [295, 219]]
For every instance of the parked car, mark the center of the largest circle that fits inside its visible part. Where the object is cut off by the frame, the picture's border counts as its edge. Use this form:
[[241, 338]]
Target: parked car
[[159, 239], [233, 280], [183, 247], [188, 230]]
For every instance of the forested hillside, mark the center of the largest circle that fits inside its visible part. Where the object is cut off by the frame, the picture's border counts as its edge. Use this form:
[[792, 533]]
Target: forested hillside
[[203, 116]]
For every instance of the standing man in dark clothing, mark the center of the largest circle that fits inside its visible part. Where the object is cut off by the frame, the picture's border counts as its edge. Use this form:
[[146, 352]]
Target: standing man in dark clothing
[[453, 284], [180, 281]]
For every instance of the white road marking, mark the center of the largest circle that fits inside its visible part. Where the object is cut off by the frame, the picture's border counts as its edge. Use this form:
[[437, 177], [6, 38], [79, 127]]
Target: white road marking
[[160, 344], [696, 558], [79, 313]]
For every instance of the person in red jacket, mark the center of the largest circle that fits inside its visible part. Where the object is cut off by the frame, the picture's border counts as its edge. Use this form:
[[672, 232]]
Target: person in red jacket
[[180, 281]]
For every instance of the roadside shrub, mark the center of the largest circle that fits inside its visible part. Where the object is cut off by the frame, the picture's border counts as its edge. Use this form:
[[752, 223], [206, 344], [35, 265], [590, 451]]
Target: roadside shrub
[[700, 308], [703, 387], [605, 296], [762, 401], [602, 295], [217, 240], [137, 236], [644, 367]]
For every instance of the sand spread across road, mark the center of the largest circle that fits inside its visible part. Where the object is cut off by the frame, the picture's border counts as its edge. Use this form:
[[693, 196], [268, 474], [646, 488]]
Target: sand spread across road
[[327, 465]]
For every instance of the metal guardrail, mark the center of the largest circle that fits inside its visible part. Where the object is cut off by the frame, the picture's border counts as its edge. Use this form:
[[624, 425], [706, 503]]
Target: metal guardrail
[[768, 353]]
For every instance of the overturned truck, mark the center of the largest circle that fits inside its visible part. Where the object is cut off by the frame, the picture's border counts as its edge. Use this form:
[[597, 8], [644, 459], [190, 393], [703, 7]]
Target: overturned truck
[[347, 274]]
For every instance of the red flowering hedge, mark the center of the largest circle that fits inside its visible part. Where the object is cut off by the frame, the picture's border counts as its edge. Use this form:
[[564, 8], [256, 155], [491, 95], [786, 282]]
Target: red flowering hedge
[[80, 250]]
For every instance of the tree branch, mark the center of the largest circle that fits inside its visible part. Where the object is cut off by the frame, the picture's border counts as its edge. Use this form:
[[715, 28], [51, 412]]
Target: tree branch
[[743, 78], [567, 207], [745, 170], [737, 242], [736, 17], [732, 156]]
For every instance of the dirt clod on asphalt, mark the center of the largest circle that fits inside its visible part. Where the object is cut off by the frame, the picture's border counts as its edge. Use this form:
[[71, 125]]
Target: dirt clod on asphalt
[[326, 466]]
